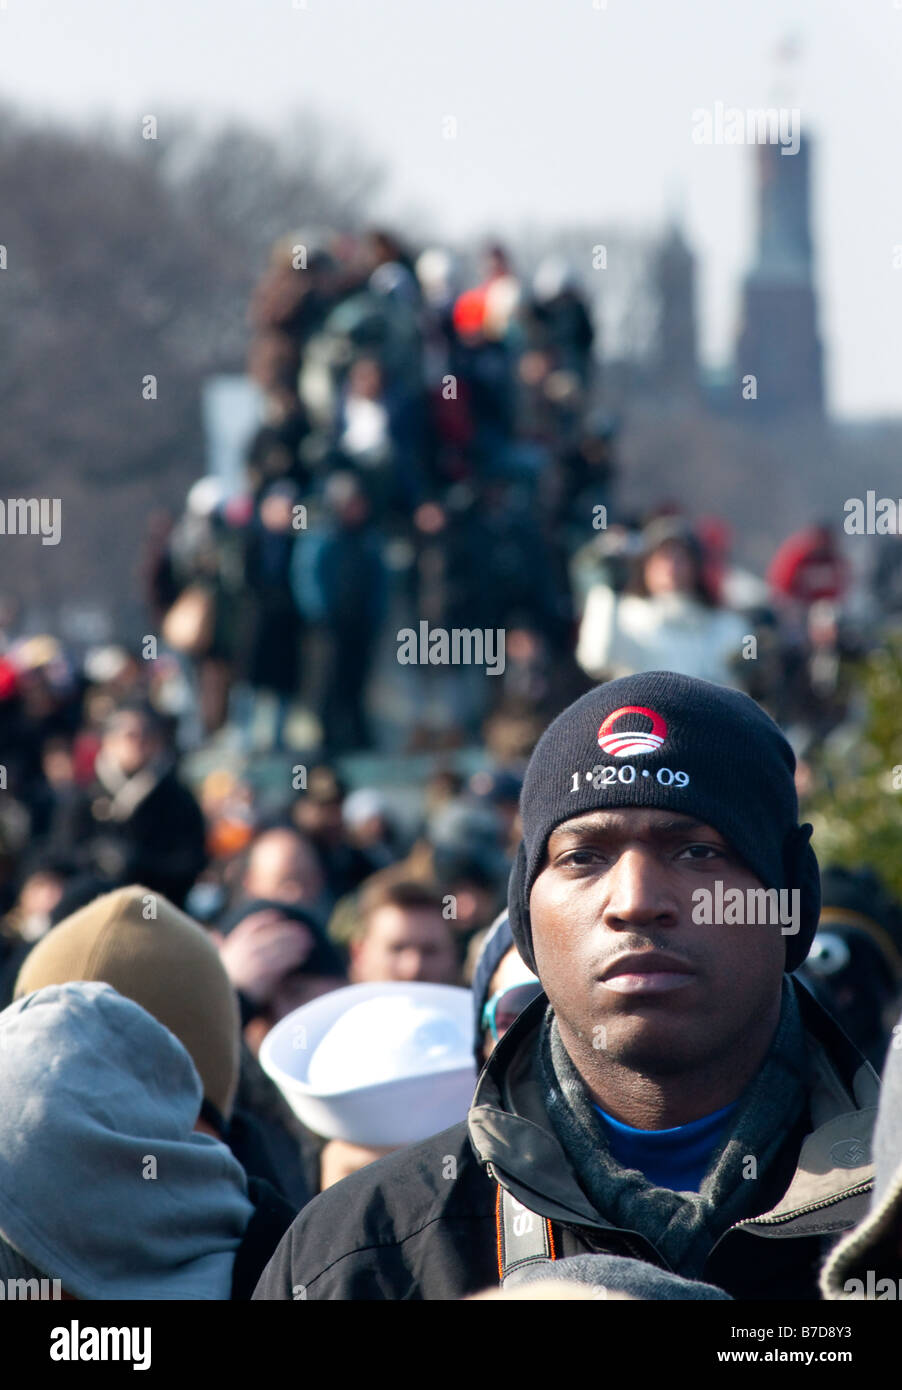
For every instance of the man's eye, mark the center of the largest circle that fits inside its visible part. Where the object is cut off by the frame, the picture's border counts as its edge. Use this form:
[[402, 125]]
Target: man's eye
[[701, 852], [579, 857]]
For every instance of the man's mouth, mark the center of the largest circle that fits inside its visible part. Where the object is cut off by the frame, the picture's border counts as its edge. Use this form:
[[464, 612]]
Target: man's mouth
[[646, 972], [655, 982]]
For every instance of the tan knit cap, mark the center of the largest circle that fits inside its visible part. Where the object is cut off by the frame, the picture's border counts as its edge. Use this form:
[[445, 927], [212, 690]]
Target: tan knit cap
[[136, 941]]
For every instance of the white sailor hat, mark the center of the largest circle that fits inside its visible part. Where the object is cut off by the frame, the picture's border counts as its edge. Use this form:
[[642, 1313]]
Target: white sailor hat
[[382, 1064]]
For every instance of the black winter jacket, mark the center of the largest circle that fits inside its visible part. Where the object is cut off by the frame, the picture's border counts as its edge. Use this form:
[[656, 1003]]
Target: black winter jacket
[[270, 1220], [157, 841], [422, 1223]]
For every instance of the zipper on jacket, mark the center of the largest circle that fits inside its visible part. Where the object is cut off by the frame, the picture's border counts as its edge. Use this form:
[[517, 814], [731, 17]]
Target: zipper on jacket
[[800, 1211], [856, 1191]]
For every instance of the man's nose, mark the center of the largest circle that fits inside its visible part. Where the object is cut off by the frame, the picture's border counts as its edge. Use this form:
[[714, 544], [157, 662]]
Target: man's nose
[[636, 892], [409, 965]]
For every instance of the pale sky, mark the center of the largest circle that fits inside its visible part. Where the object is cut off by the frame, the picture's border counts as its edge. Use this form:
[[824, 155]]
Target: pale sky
[[567, 111]]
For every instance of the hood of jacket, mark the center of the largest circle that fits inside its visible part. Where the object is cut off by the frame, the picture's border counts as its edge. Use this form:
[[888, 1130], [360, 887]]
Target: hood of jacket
[[858, 1265], [511, 1133]]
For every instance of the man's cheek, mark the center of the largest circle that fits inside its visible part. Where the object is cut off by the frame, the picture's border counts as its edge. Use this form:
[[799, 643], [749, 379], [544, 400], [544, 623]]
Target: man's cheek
[[553, 892], [555, 966]]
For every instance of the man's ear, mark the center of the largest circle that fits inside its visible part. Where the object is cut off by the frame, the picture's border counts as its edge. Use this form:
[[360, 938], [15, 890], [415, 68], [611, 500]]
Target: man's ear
[[518, 908], [803, 873]]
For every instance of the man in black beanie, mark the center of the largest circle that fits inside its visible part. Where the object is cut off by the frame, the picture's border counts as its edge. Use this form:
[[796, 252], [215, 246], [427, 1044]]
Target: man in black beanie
[[674, 1095]]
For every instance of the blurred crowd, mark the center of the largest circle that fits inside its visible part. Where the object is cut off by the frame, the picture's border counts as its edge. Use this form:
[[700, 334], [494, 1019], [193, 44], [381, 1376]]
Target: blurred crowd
[[435, 446]]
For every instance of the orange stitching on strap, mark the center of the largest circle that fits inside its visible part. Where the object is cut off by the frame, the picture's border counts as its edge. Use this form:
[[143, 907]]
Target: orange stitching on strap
[[498, 1230]]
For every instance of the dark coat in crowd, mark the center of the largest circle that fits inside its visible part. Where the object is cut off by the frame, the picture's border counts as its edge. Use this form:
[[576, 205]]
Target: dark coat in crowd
[[144, 829], [271, 1218], [422, 1223], [13, 951], [274, 623], [341, 583]]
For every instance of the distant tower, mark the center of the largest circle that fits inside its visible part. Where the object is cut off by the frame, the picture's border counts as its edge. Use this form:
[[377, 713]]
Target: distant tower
[[675, 355], [779, 340]]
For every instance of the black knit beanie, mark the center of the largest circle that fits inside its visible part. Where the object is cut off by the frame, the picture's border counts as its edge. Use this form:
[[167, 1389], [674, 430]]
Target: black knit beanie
[[668, 741]]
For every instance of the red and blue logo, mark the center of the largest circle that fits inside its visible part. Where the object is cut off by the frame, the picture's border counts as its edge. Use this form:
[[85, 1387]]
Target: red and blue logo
[[624, 743]]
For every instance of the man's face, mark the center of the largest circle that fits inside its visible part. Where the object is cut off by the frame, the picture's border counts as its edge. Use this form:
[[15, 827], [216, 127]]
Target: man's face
[[669, 569], [510, 973], [321, 819], [618, 883], [283, 867], [131, 742], [406, 943]]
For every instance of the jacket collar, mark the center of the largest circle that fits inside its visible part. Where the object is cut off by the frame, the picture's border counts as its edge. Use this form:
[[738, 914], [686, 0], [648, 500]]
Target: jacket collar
[[126, 793], [511, 1133]]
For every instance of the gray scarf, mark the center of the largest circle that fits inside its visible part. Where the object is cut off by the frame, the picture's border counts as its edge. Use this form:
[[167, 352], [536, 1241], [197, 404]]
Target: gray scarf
[[683, 1226]]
